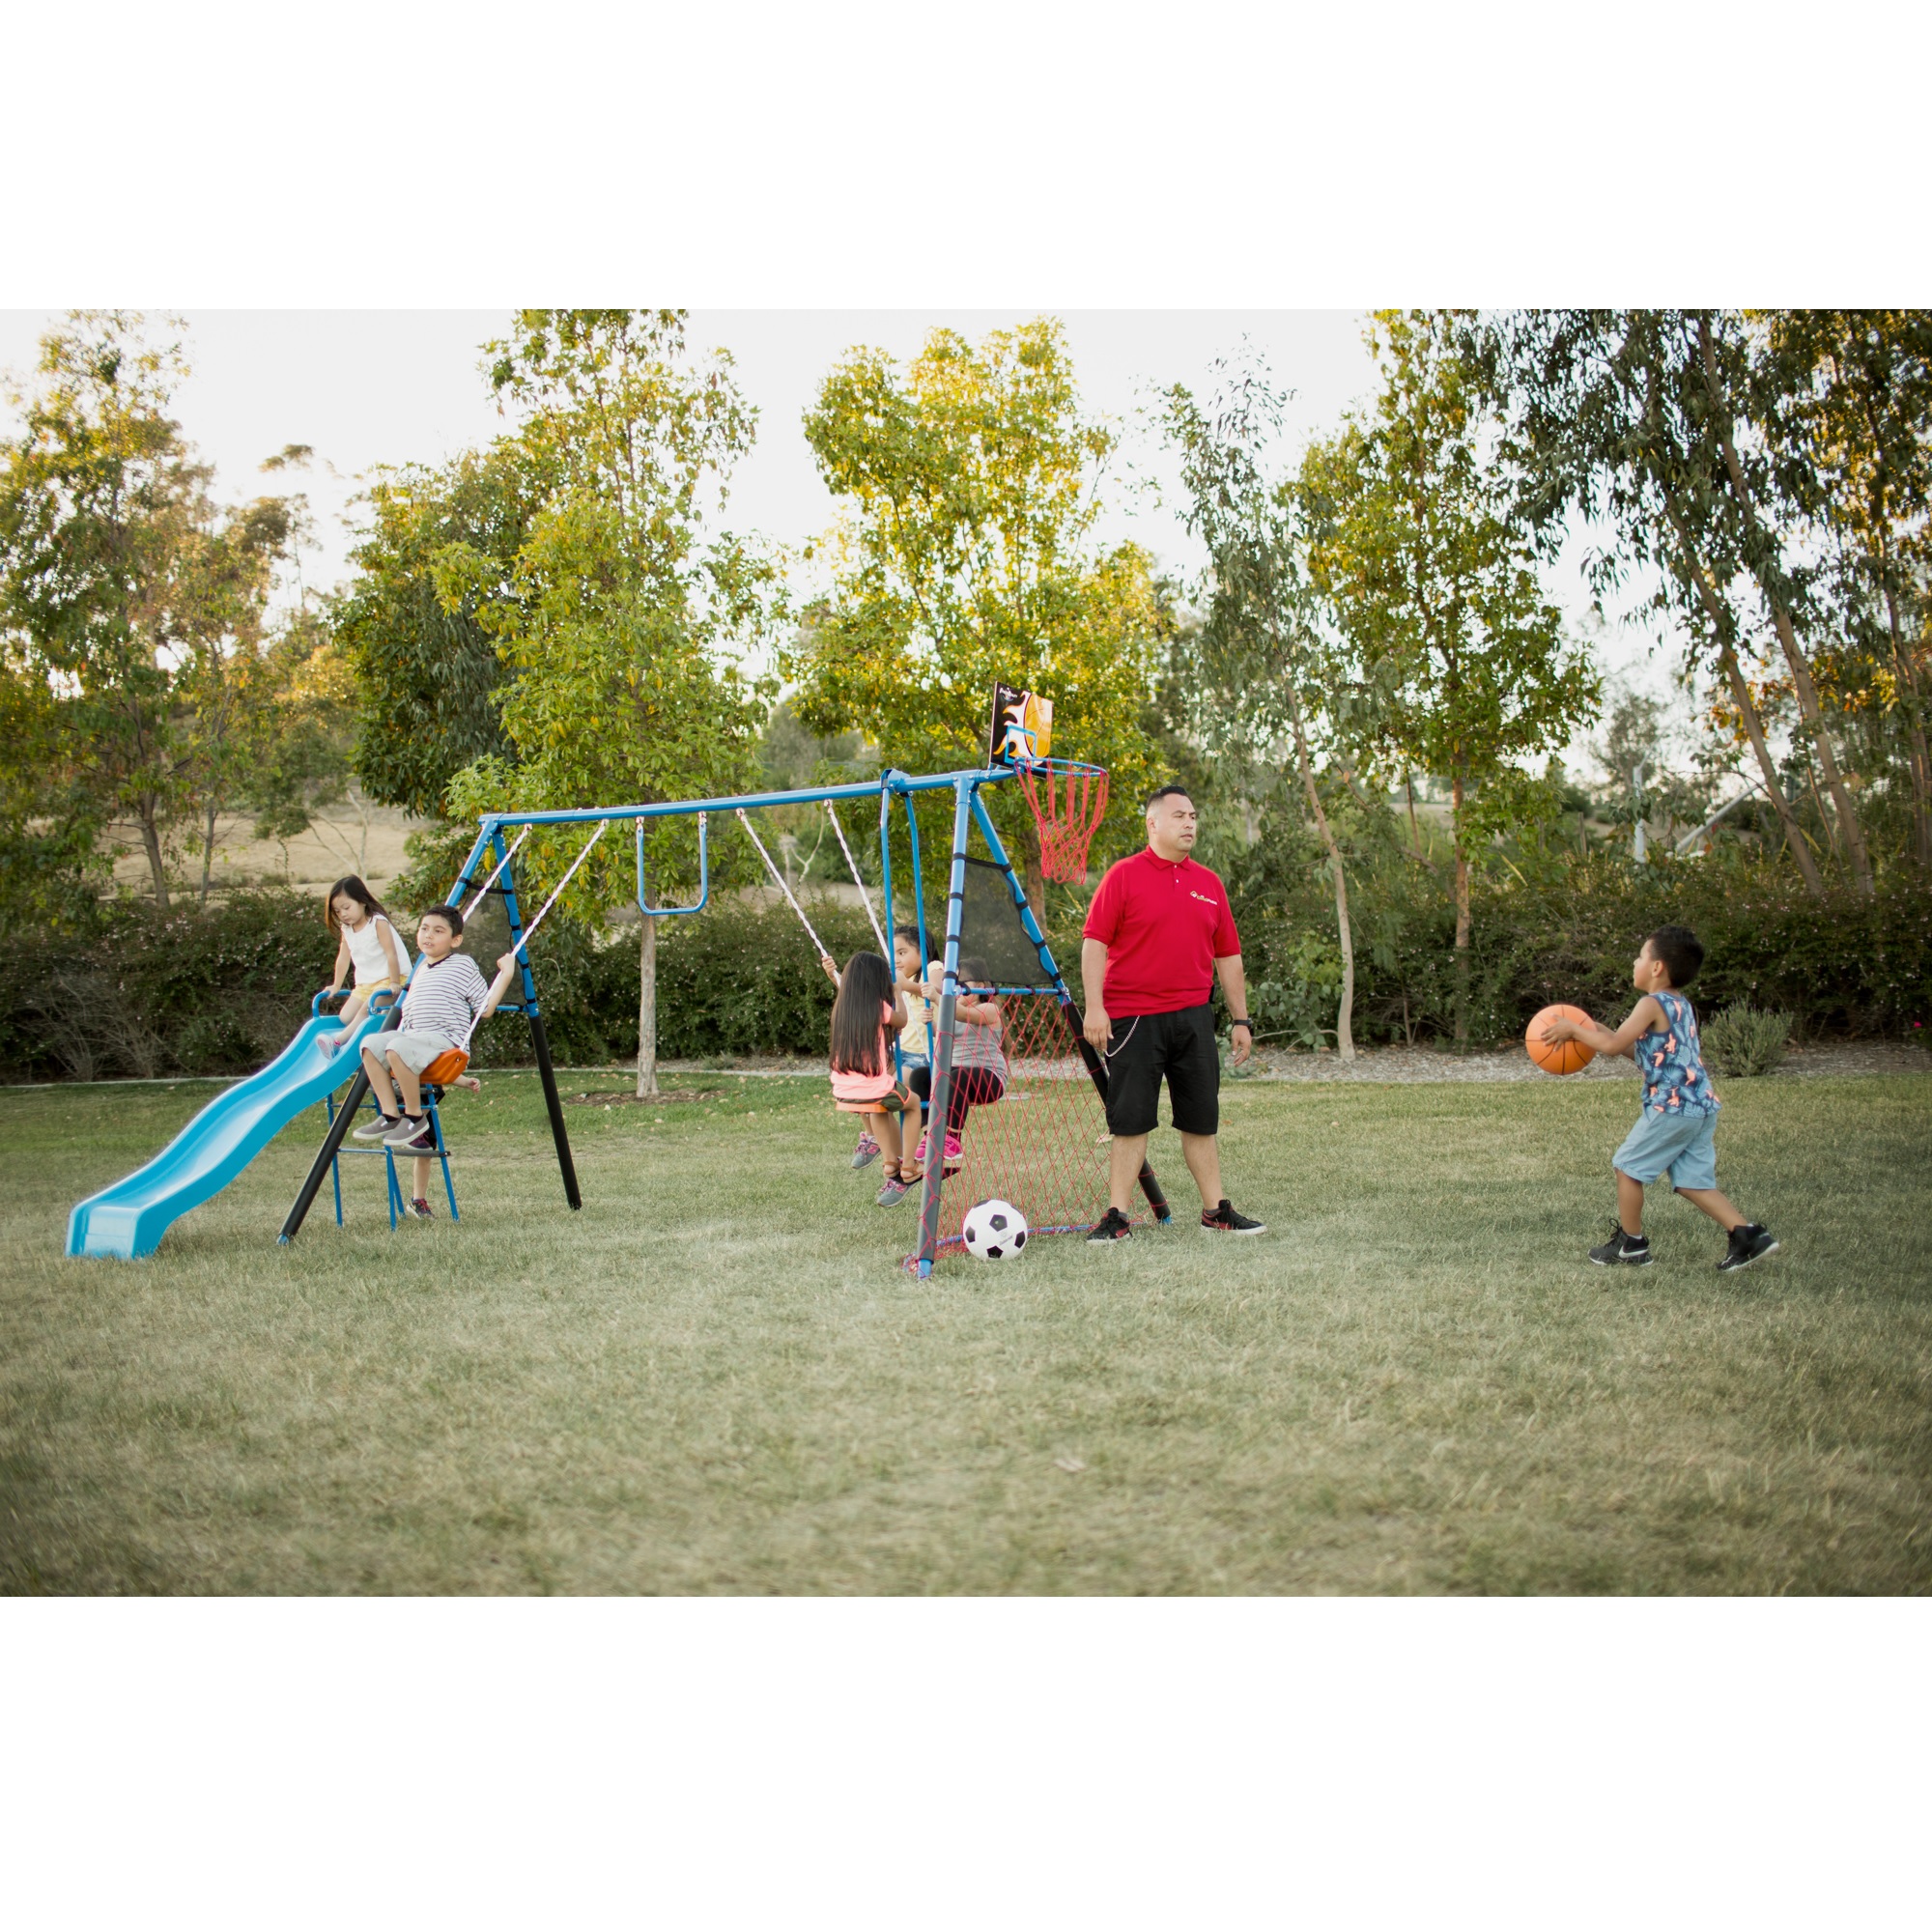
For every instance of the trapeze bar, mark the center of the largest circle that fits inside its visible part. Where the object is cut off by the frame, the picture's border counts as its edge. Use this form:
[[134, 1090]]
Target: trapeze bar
[[895, 781]]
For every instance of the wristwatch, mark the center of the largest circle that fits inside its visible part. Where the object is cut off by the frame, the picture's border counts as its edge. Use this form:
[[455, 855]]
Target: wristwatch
[[1232, 1024]]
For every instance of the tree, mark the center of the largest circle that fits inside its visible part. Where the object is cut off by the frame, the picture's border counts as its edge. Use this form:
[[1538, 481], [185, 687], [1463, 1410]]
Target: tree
[[128, 595], [1258, 651], [427, 670], [1632, 416], [968, 557], [1433, 582], [616, 627], [1851, 425]]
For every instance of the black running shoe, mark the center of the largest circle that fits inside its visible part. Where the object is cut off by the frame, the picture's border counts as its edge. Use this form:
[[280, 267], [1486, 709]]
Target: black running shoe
[[1623, 1250], [1222, 1220], [1750, 1241], [1112, 1226]]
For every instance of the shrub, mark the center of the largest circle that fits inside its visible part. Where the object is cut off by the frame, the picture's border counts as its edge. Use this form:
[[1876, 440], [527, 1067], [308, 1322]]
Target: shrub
[[1741, 1041]]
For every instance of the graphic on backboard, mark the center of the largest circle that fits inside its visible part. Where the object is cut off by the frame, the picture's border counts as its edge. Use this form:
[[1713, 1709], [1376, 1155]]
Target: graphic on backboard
[[1022, 727]]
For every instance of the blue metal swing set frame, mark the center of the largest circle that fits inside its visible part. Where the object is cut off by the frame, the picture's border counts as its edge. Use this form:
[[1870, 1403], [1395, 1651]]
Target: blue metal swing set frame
[[969, 811]]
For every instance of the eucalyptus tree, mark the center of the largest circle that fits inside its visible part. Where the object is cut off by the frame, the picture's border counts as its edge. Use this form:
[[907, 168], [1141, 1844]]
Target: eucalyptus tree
[[1260, 656], [1848, 404], [1642, 419]]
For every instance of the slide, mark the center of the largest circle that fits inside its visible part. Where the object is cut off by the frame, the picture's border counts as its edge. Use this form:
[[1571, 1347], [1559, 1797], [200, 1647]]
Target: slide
[[129, 1218]]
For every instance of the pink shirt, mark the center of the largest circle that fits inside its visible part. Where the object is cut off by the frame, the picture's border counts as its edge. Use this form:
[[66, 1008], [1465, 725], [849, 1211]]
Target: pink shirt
[[870, 1085]]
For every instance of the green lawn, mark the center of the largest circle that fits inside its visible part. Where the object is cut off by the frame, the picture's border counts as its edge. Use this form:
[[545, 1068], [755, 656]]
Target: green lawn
[[716, 1378]]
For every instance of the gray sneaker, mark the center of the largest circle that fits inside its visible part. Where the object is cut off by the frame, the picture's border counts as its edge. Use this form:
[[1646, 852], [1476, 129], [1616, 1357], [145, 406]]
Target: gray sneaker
[[378, 1129], [867, 1150], [411, 1135], [893, 1191]]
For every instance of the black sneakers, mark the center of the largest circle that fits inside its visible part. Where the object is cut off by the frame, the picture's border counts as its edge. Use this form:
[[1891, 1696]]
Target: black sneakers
[[1750, 1241], [1623, 1250], [1112, 1226], [1222, 1220]]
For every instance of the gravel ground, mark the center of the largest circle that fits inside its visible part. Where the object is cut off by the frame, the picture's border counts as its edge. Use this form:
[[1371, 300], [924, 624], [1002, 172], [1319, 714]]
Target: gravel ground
[[1393, 1065]]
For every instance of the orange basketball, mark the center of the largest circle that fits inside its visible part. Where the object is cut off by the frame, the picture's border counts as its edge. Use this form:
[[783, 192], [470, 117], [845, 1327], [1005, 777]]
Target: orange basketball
[[1569, 1055]]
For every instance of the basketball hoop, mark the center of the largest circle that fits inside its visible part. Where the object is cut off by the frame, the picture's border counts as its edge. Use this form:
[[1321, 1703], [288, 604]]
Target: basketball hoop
[[1068, 801]]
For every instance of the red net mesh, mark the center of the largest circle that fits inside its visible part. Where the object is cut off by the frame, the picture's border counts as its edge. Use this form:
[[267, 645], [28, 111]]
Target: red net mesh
[[1043, 1144], [1069, 803]]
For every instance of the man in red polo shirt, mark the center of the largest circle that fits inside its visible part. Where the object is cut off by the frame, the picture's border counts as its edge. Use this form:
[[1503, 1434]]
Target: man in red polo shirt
[[1158, 931]]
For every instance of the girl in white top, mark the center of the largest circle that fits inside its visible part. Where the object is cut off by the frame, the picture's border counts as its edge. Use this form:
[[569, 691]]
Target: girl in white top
[[370, 944]]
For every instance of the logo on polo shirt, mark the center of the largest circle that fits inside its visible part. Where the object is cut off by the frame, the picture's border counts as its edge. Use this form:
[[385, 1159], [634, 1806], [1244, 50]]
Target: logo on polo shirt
[[1203, 897]]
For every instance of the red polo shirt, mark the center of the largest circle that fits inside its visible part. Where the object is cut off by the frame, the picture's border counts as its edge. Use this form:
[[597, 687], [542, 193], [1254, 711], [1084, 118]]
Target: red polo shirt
[[1163, 925]]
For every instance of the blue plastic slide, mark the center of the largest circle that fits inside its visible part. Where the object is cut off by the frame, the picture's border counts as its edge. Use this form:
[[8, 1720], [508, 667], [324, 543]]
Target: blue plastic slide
[[129, 1218]]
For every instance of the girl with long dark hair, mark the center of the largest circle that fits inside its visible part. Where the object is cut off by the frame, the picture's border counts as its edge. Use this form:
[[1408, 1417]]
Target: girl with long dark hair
[[867, 1012], [370, 946]]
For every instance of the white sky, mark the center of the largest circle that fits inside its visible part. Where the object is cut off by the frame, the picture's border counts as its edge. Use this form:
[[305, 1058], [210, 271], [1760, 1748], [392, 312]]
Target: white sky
[[368, 386]]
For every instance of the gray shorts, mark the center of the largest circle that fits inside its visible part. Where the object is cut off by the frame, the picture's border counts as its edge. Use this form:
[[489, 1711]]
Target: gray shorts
[[415, 1049]]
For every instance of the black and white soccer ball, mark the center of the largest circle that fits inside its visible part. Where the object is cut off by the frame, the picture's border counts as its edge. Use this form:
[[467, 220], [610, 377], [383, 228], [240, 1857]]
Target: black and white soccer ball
[[994, 1230]]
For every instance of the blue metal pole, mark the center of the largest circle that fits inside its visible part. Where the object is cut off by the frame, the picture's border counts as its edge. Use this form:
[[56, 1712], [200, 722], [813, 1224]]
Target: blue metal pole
[[886, 897], [942, 1057], [747, 801], [1096, 1070]]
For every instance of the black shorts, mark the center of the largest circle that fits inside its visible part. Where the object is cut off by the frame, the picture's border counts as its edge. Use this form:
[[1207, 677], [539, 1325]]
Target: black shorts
[[1180, 1046]]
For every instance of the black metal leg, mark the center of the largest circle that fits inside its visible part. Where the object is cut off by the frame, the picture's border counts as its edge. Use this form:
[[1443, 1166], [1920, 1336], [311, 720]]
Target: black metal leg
[[325, 1159], [540, 1040]]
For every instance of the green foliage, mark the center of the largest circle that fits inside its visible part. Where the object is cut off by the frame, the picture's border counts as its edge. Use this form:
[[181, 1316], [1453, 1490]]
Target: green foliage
[[143, 994], [427, 673], [968, 557], [1740, 1041], [1567, 929]]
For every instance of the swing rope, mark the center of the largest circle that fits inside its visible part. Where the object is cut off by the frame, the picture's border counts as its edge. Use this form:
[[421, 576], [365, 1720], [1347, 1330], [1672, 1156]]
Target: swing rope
[[852, 865], [530, 930], [778, 880], [482, 890]]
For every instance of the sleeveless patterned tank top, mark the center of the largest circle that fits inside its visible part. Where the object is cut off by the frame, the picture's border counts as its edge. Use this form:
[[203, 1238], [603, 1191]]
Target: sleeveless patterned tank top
[[1675, 1081]]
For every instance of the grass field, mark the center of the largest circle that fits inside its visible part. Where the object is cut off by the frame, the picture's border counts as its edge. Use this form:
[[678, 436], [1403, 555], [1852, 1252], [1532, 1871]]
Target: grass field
[[715, 1380]]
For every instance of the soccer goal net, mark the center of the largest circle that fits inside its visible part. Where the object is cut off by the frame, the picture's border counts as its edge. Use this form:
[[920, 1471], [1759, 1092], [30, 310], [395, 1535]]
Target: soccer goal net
[[1043, 1143]]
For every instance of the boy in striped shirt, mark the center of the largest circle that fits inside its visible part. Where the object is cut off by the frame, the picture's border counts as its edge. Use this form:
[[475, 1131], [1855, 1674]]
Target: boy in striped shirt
[[445, 1002]]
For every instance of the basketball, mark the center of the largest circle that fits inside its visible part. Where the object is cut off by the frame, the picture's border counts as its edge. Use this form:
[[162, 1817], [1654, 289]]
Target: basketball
[[1567, 1057]]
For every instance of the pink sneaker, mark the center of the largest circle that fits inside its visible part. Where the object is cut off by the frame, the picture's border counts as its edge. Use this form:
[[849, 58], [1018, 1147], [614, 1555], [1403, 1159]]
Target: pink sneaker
[[953, 1146], [918, 1152]]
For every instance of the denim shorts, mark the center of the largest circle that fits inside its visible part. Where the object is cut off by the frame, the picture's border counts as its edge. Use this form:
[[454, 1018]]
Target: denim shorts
[[1684, 1146]]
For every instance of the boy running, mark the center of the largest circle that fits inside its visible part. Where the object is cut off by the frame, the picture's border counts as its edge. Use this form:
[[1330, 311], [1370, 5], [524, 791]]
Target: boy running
[[1677, 1131]]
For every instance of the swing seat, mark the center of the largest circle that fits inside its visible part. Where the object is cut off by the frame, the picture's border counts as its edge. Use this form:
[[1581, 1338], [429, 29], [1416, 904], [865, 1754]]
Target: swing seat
[[445, 1069], [898, 1101]]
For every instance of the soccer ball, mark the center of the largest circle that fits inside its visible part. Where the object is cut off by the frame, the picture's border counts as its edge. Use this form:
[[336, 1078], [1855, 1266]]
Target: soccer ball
[[993, 1229]]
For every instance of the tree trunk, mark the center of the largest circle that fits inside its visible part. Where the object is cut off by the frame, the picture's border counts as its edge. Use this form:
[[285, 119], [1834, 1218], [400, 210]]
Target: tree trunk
[[1461, 918], [1414, 828], [1806, 693], [1727, 663], [1849, 829], [647, 1011], [151, 843], [1345, 1018], [207, 855], [1907, 674]]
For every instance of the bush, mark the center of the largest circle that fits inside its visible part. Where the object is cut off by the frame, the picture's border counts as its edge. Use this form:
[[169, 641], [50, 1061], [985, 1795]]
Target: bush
[[1846, 966], [1742, 1041]]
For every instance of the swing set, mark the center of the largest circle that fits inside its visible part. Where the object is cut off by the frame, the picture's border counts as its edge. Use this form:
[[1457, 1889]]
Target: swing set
[[1036, 1147]]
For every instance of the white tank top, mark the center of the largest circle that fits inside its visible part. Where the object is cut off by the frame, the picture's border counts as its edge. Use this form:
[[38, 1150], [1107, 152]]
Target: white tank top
[[366, 950]]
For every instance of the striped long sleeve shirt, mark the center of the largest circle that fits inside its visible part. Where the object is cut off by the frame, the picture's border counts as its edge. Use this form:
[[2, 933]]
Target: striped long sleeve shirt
[[446, 996]]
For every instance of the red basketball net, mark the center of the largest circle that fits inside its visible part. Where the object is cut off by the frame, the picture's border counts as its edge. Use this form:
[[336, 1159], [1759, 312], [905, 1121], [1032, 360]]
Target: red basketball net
[[1044, 1143], [1068, 801]]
